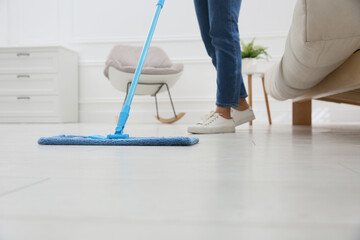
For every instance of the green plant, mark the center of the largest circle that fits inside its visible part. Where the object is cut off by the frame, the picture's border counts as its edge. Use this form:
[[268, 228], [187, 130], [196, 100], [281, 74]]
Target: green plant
[[251, 51]]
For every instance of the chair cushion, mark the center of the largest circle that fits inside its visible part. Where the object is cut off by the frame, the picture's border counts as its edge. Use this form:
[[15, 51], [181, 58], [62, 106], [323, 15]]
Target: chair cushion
[[323, 35], [125, 58]]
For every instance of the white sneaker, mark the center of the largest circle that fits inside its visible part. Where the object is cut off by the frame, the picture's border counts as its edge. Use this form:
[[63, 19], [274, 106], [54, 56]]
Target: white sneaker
[[241, 117], [213, 123]]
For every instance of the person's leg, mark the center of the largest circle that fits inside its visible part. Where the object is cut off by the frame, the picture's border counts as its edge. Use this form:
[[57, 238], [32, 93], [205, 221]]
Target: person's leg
[[202, 14], [225, 38], [219, 30], [243, 105]]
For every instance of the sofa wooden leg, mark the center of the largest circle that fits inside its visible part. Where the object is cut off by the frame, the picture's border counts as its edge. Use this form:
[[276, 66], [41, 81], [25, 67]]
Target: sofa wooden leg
[[302, 113]]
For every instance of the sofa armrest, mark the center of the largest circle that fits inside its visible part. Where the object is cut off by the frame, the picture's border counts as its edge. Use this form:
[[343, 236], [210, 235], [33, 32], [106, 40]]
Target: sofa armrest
[[343, 79]]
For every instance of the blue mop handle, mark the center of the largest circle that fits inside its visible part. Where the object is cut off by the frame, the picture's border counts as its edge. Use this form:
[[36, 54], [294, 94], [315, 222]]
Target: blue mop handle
[[126, 108]]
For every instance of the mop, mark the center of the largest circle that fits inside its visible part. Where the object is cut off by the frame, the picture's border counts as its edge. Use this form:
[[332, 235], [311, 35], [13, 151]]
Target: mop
[[119, 138]]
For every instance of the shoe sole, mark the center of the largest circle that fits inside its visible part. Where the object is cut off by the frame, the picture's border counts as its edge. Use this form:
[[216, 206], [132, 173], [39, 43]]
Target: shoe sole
[[212, 131]]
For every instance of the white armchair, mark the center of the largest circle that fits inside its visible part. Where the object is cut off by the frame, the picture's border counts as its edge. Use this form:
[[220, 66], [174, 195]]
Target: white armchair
[[159, 74]]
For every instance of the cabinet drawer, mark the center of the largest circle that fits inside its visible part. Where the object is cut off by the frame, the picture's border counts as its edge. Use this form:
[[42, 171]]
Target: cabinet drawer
[[28, 61], [13, 84], [17, 106]]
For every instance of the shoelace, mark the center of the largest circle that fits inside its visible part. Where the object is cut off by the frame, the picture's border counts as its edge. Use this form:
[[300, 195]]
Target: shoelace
[[209, 118]]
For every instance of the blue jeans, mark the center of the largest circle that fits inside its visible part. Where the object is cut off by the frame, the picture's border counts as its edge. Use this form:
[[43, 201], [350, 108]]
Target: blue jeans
[[218, 22]]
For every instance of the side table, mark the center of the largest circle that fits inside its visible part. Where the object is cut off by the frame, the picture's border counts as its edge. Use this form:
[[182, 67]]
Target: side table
[[262, 76]]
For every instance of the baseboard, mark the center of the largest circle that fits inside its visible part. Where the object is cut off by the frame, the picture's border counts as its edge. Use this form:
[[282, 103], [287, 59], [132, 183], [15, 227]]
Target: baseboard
[[144, 111]]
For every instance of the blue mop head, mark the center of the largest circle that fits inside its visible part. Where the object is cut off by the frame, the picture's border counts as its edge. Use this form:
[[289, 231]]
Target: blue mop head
[[132, 141]]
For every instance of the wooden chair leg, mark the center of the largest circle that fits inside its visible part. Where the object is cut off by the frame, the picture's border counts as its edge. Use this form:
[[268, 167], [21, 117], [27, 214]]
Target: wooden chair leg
[[250, 93], [266, 101], [302, 113]]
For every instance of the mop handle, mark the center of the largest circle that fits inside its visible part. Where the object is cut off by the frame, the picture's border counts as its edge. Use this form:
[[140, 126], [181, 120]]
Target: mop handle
[[161, 3], [144, 54], [126, 108]]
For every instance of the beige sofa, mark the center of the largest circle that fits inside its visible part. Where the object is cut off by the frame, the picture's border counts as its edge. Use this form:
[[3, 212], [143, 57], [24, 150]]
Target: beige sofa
[[320, 59]]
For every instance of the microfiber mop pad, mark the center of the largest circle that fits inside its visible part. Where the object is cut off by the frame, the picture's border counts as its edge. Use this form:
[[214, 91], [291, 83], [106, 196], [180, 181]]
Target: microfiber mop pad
[[132, 141]]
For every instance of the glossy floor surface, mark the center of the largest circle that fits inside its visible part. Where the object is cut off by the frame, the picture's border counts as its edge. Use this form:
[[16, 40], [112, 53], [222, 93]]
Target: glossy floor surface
[[263, 182]]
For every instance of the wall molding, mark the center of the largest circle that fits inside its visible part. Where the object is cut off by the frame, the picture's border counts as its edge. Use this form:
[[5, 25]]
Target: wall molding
[[200, 60], [169, 38], [101, 63], [143, 110], [149, 99]]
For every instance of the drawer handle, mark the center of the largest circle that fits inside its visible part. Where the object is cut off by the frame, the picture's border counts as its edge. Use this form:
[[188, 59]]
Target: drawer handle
[[23, 76], [23, 98], [23, 54]]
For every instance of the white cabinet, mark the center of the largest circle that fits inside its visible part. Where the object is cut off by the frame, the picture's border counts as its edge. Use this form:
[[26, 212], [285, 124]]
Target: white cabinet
[[38, 84]]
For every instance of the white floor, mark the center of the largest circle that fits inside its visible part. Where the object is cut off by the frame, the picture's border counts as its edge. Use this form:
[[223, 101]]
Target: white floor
[[263, 182]]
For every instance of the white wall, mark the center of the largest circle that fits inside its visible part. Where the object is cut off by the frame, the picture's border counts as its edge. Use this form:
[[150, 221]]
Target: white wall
[[92, 27], [3, 22]]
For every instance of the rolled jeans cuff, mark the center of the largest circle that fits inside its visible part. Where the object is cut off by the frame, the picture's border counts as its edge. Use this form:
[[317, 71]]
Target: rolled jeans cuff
[[227, 105]]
